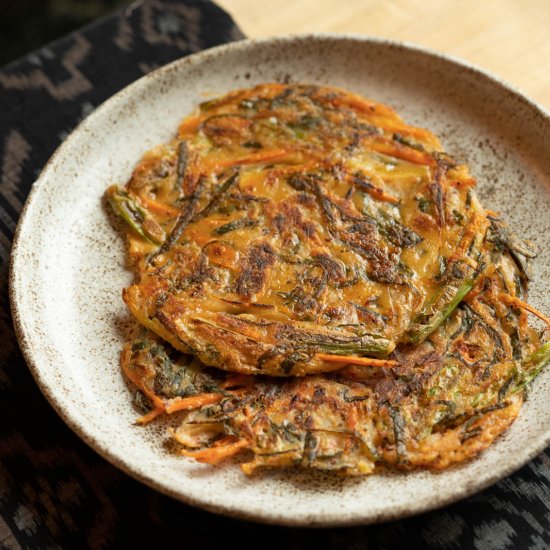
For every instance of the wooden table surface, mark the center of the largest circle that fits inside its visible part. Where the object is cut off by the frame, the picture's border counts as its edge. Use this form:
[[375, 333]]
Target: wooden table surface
[[510, 38]]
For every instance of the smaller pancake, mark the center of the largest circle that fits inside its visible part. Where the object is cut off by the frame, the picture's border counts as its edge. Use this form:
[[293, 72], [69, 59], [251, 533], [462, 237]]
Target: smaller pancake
[[445, 401]]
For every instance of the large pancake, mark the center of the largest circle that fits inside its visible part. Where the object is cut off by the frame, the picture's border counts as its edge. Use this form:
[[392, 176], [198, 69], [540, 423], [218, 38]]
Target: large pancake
[[288, 224]]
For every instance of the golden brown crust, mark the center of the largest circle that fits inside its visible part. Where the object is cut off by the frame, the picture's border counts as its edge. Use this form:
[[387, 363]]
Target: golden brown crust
[[444, 401], [293, 209]]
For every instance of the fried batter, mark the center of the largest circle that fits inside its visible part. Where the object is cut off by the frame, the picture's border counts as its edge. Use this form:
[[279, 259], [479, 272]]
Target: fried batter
[[288, 222], [447, 399]]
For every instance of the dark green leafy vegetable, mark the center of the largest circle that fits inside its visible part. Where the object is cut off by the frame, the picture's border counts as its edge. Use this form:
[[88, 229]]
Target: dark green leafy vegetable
[[234, 225], [137, 217], [181, 165], [532, 366], [182, 222], [218, 195], [408, 142], [521, 251], [423, 204], [364, 345], [443, 303]]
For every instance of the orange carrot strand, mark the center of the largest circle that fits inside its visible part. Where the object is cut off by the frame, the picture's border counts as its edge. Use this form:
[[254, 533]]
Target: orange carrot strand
[[404, 153], [380, 195], [354, 360], [238, 380], [469, 235], [158, 208], [134, 378], [215, 454], [146, 418], [262, 156], [193, 402], [514, 301]]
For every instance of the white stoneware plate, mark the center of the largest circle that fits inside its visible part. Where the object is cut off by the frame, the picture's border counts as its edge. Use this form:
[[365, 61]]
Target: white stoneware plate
[[67, 264]]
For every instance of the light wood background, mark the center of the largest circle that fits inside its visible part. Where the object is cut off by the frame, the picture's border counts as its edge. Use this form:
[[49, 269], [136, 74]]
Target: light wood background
[[510, 38]]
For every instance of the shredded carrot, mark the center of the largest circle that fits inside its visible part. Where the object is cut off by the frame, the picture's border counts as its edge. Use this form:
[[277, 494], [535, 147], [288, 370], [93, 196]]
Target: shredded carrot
[[469, 235], [476, 290], [158, 403], [362, 105], [373, 188], [146, 418], [514, 301], [382, 116], [262, 156], [402, 152], [193, 402], [224, 448], [238, 380], [523, 322], [380, 195], [190, 124], [465, 183], [354, 360], [419, 133], [492, 213], [158, 208]]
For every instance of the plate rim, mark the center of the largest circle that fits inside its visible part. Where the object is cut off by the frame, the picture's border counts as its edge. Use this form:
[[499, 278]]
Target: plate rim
[[79, 428]]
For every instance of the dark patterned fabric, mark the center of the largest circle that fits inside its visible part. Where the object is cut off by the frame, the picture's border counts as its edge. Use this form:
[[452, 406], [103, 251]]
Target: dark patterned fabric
[[55, 492]]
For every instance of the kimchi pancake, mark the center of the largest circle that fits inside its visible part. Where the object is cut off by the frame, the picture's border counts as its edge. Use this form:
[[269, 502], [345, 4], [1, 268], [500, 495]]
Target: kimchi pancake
[[288, 224], [446, 399]]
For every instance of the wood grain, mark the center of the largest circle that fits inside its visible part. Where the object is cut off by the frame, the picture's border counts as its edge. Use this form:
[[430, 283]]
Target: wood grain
[[510, 38]]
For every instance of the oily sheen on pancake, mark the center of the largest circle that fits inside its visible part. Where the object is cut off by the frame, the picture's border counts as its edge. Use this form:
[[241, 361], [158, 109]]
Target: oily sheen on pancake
[[289, 224]]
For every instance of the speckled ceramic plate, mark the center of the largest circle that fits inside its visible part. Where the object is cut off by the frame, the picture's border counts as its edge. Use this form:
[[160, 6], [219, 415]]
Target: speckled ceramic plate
[[67, 263]]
